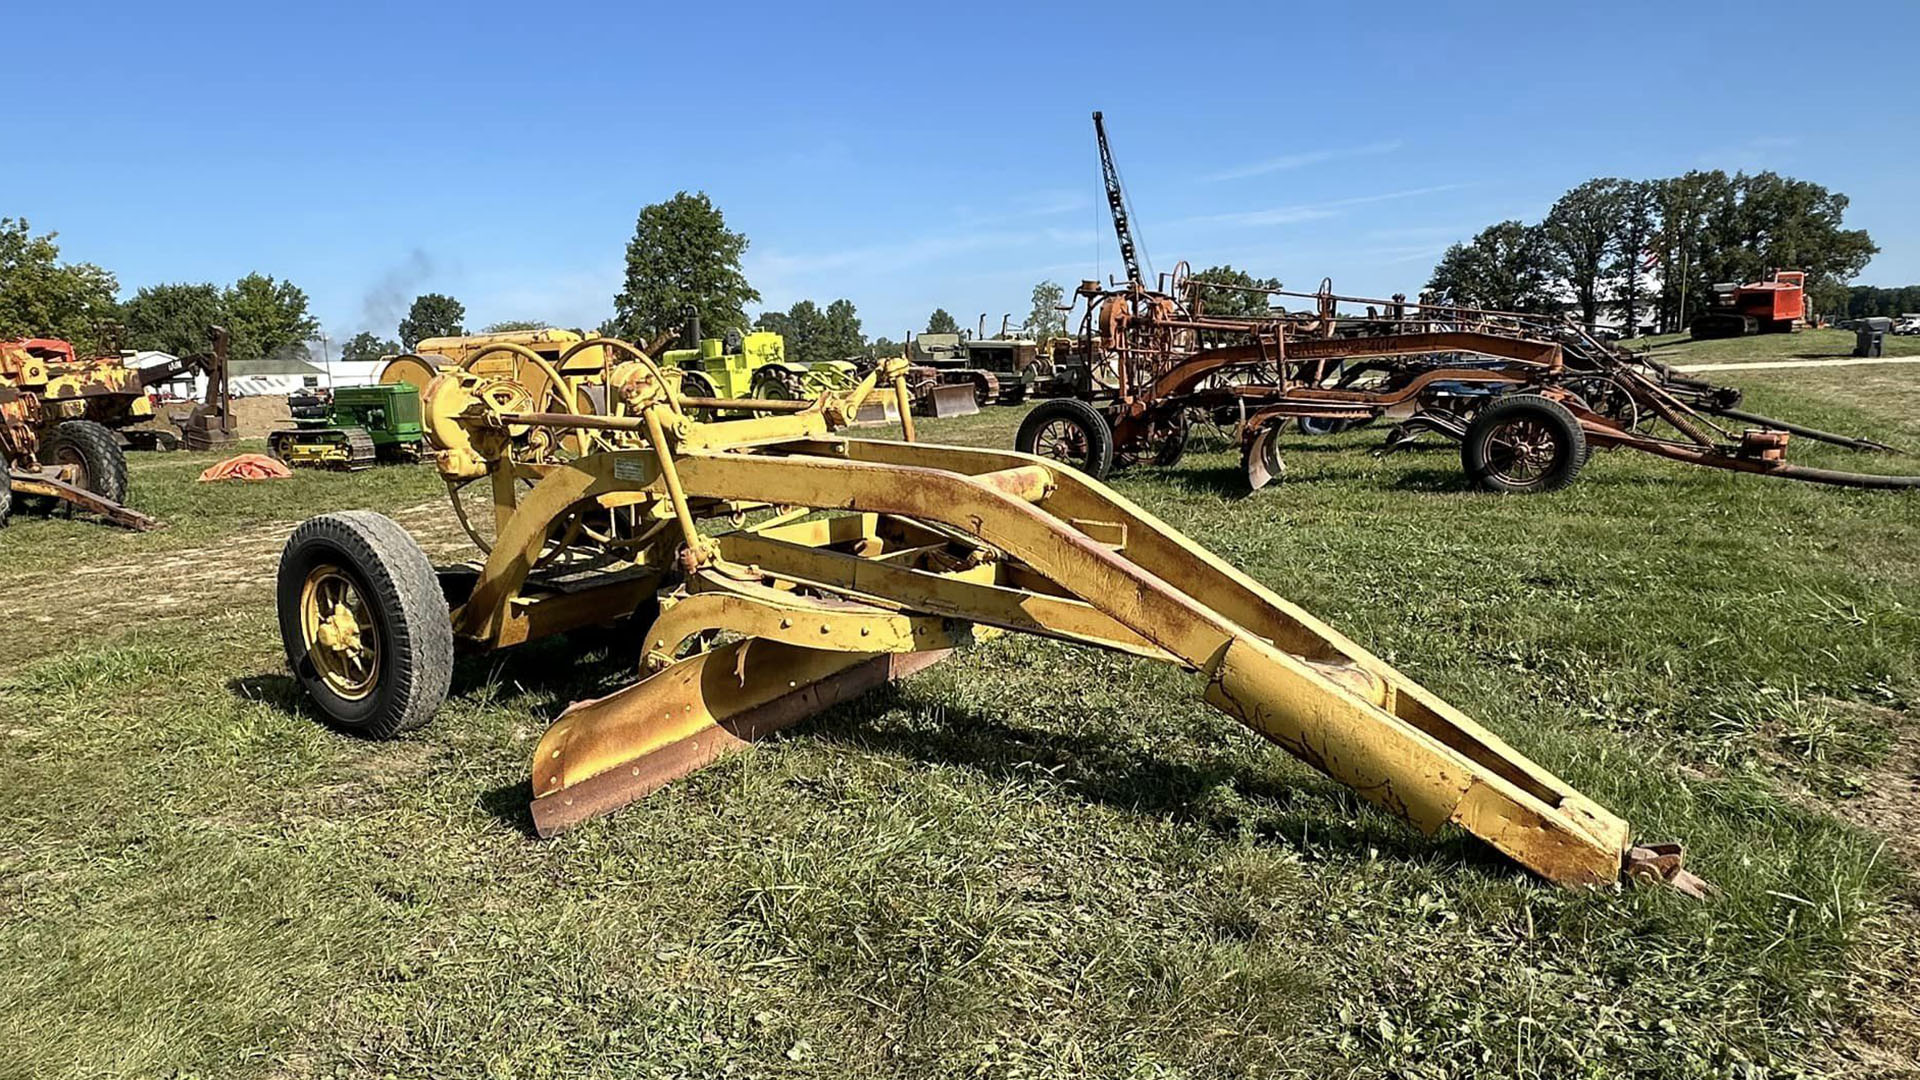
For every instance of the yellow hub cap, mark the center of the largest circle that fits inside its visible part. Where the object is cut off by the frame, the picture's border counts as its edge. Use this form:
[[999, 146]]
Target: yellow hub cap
[[342, 636]]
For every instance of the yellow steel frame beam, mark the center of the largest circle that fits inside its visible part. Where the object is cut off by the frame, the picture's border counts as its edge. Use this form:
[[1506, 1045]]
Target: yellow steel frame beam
[[1267, 663]]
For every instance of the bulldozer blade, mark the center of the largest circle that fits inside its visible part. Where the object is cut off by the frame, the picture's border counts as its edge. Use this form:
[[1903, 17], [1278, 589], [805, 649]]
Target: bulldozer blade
[[602, 754], [876, 410], [951, 399]]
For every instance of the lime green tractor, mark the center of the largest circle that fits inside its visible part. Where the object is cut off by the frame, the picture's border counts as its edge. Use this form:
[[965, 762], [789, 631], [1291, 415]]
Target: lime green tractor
[[754, 366]]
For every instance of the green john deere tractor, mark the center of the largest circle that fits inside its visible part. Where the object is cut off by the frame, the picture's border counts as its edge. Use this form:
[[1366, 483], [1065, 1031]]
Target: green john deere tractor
[[361, 427]]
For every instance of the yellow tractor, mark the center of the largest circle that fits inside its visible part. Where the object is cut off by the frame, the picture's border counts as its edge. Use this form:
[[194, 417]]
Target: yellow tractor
[[581, 366], [54, 453], [770, 566]]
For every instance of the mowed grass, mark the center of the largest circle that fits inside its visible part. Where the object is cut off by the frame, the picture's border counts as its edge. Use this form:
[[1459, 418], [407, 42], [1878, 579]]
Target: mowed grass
[[1805, 345], [1033, 860]]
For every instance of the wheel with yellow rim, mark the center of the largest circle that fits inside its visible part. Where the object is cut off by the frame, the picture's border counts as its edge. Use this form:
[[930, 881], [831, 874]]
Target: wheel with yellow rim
[[365, 624]]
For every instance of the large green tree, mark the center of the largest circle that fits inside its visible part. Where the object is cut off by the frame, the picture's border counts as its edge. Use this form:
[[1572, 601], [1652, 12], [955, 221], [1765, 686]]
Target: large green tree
[[1790, 224], [1582, 236], [1045, 318], [803, 326], [508, 325], [174, 318], [841, 337], [1719, 228], [1693, 210], [1506, 267], [1639, 229], [1235, 301], [40, 296], [367, 345], [432, 315], [683, 256], [941, 323], [267, 317]]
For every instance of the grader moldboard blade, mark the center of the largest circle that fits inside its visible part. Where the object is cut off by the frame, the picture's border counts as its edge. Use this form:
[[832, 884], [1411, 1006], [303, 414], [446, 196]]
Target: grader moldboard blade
[[831, 565]]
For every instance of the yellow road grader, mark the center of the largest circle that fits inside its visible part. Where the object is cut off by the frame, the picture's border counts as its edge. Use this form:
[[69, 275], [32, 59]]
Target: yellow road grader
[[777, 567]]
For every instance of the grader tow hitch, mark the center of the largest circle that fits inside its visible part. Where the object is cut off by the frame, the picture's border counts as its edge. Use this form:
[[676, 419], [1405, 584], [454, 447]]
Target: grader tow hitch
[[776, 568]]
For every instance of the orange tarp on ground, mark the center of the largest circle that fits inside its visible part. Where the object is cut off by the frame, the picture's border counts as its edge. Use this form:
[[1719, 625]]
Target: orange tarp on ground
[[248, 467]]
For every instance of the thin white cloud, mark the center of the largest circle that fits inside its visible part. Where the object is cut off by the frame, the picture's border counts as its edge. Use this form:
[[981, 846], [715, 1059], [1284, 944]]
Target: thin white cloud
[[1034, 204], [1288, 215], [912, 252], [1288, 162], [784, 276], [1407, 234]]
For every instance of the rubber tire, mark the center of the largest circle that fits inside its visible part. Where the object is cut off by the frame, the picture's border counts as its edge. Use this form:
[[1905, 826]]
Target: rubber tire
[[697, 384], [416, 629], [785, 383], [1099, 460], [1566, 430], [6, 492], [99, 453]]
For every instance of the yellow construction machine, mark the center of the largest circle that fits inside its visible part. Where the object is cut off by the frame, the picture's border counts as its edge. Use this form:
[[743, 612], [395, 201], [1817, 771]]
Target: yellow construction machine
[[776, 567]]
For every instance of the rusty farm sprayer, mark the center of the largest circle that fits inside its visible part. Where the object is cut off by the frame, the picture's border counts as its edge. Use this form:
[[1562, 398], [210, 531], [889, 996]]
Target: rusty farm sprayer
[[777, 567]]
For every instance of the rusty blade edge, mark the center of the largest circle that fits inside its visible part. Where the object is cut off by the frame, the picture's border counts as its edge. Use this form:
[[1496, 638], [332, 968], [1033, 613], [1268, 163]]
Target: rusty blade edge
[[615, 788]]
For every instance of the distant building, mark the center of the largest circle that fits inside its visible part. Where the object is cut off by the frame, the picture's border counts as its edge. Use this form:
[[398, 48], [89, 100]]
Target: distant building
[[187, 387], [353, 372], [271, 375], [274, 375]]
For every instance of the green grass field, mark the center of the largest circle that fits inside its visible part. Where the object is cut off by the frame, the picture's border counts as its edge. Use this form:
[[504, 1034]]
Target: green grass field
[[1033, 860], [1806, 345]]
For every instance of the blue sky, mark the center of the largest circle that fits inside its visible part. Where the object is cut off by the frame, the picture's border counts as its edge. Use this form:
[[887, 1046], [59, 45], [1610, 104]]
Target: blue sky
[[906, 156]]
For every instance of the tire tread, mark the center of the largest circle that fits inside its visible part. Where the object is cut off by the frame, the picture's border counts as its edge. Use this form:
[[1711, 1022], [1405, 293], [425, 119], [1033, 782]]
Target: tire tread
[[419, 656]]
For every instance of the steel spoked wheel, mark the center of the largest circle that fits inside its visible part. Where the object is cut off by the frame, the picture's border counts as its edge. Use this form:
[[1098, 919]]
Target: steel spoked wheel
[[1069, 431], [1523, 444], [1521, 452], [341, 633], [1063, 440]]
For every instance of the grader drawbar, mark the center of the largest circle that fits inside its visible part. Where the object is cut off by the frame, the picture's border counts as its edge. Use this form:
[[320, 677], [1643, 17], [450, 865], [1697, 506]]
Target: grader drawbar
[[776, 568]]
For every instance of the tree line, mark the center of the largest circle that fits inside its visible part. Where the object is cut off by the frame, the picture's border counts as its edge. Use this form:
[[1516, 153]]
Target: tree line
[[42, 295], [1864, 301], [1649, 251]]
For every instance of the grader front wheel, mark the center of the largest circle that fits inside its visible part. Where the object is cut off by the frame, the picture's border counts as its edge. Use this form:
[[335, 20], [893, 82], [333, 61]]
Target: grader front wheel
[[364, 623], [1523, 445], [1071, 432]]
